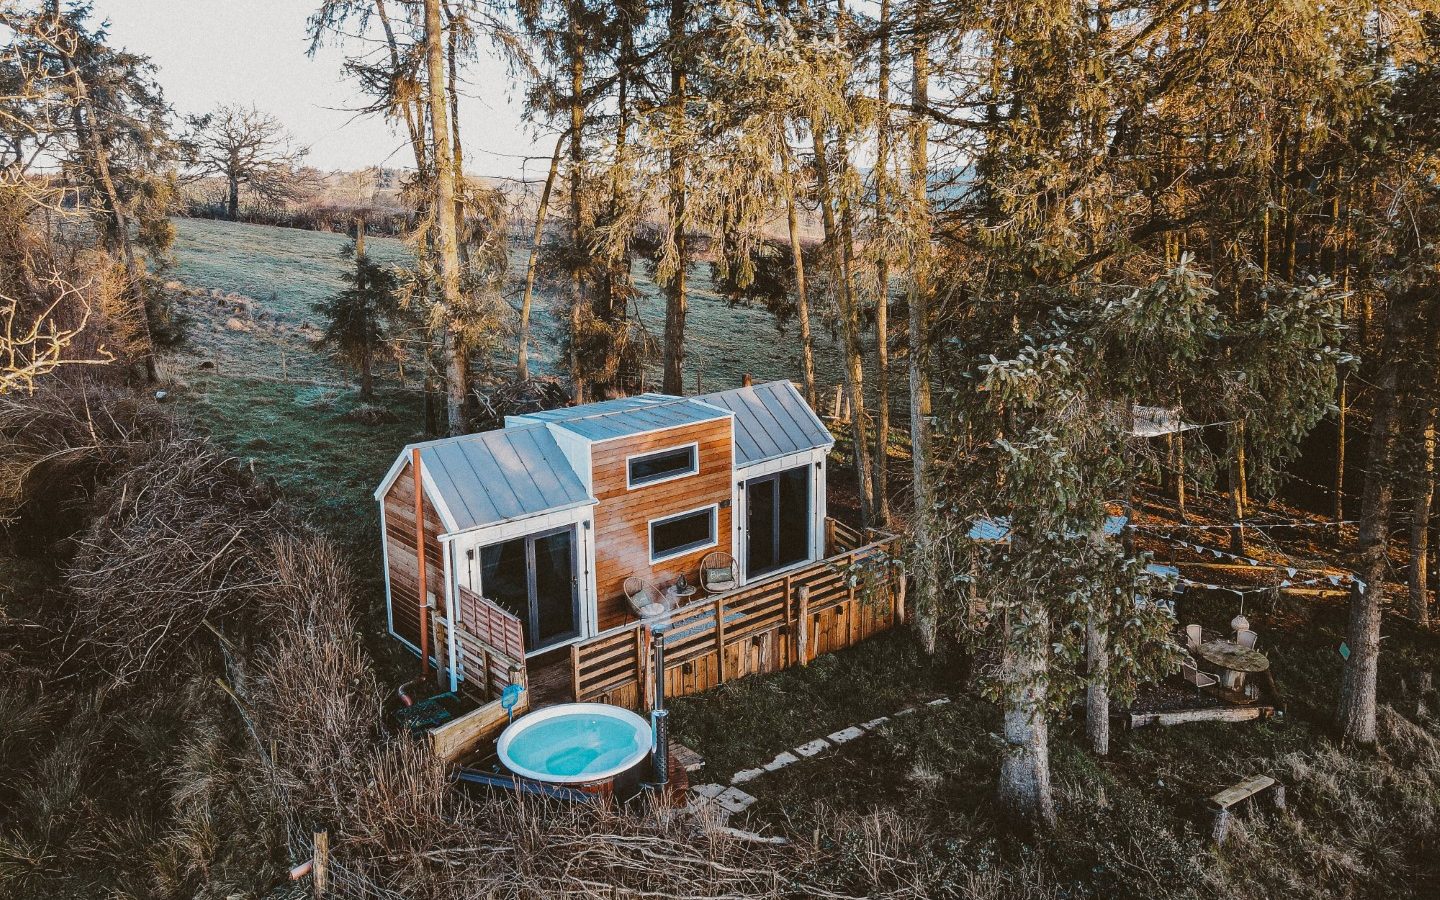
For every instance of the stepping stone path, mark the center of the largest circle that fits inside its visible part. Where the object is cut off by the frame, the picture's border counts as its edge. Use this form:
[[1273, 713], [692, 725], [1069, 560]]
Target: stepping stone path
[[726, 800]]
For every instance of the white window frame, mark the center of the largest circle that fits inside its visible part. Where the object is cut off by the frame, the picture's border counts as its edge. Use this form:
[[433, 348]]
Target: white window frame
[[693, 447], [712, 508]]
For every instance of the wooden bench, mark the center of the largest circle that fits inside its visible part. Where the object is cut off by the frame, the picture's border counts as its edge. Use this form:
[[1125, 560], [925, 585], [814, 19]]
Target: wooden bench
[[1222, 803]]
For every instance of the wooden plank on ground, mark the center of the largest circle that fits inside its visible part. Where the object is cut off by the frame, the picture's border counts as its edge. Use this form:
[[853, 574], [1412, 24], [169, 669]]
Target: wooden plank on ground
[[1242, 791]]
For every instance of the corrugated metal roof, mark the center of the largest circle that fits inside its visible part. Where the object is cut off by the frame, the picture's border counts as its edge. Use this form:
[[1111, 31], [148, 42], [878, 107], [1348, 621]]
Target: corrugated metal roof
[[771, 420], [496, 476], [628, 415]]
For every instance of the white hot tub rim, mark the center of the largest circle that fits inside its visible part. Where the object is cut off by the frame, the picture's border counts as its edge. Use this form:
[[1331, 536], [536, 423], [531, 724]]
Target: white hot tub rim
[[520, 725]]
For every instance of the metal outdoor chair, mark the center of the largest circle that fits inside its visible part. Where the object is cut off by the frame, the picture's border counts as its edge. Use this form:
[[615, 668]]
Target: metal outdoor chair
[[646, 600], [1247, 639], [718, 573], [1196, 677], [1193, 638]]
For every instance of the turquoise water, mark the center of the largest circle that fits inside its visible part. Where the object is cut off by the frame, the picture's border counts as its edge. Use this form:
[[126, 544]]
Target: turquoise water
[[576, 744]]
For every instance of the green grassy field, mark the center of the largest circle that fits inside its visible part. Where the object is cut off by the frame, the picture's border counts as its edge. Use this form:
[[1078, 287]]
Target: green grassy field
[[288, 270]]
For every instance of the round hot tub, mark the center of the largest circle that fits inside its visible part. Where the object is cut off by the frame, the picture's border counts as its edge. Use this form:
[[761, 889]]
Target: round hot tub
[[578, 744]]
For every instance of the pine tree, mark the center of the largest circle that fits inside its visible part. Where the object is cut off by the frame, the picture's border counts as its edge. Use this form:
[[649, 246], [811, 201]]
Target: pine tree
[[357, 319]]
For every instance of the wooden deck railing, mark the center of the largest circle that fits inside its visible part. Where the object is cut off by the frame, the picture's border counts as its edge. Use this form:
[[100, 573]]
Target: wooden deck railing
[[765, 626]]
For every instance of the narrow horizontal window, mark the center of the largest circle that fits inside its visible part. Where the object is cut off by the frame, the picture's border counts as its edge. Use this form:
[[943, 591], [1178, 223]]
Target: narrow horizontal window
[[684, 533], [652, 467]]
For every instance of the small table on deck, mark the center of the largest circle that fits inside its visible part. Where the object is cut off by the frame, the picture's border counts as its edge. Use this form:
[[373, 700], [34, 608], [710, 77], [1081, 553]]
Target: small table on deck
[[1233, 658]]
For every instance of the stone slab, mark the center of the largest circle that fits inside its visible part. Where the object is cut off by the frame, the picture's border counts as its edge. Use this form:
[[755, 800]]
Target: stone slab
[[819, 745], [845, 735], [734, 800]]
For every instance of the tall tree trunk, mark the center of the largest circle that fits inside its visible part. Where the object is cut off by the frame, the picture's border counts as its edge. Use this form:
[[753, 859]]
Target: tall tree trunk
[[927, 594], [1024, 789], [1355, 715], [1236, 479], [1427, 414], [135, 275], [841, 254], [575, 48], [1097, 691], [447, 250], [522, 361], [881, 503], [452, 93], [676, 289], [802, 293], [232, 204], [1420, 519]]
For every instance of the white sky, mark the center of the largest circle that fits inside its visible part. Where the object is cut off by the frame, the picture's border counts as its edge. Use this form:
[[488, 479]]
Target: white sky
[[253, 52]]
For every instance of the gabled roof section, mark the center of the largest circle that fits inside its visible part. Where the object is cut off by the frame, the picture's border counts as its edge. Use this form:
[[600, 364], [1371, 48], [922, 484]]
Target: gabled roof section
[[626, 416], [495, 476], [771, 420]]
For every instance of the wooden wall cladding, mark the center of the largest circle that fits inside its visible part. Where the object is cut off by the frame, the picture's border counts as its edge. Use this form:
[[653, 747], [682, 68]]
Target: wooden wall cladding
[[622, 533], [400, 554]]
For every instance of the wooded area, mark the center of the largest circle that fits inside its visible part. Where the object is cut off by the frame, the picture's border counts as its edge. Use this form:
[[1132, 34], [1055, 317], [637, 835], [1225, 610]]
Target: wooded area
[[1039, 217]]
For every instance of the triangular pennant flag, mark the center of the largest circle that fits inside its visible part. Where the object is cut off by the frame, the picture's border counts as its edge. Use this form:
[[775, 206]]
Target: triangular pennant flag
[[1290, 571], [1360, 585], [1335, 580], [1253, 562], [1285, 583]]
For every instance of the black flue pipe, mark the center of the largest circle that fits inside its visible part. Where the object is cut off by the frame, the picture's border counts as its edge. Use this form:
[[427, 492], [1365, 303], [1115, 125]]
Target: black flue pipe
[[660, 716]]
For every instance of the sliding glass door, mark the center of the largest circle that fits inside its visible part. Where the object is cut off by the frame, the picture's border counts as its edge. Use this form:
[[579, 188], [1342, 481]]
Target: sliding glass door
[[777, 521], [534, 578]]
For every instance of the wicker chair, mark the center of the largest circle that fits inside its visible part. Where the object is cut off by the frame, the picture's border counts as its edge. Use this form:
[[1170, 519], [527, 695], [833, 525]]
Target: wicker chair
[[718, 573], [646, 600]]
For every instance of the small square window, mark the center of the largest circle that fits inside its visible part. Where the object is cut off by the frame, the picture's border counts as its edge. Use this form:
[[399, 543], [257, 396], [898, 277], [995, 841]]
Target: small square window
[[663, 466], [685, 533]]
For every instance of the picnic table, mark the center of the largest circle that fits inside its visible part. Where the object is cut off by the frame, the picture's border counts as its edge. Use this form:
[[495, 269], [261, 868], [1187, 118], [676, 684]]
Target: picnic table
[[1234, 663], [1230, 655]]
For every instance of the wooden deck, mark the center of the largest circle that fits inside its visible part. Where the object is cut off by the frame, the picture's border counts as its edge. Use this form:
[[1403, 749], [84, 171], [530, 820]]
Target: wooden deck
[[549, 677], [765, 626]]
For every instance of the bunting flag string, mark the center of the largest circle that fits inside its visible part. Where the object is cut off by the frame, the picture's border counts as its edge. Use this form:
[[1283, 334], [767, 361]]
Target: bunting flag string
[[1291, 572], [1197, 526], [1284, 583]]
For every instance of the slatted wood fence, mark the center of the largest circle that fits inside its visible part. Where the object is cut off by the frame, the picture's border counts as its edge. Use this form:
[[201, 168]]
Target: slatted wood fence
[[763, 627], [491, 642]]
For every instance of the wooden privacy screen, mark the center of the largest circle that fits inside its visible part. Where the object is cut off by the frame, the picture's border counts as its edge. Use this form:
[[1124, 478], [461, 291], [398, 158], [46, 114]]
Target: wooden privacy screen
[[491, 641], [762, 627]]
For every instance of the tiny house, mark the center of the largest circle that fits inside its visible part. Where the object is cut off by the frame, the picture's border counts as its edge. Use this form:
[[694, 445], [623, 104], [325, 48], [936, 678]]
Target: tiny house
[[546, 518]]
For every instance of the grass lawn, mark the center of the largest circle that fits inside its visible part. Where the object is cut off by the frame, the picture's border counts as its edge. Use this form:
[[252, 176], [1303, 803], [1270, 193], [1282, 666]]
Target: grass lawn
[[1133, 824]]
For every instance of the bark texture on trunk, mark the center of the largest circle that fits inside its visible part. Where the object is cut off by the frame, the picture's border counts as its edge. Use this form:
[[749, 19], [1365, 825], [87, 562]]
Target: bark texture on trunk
[[840, 248], [447, 249], [1097, 692], [677, 290], [1236, 478], [926, 604], [802, 292], [882, 277], [1420, 522], [1355, 714], [1024, 789], [577, 161], [522, 353]]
